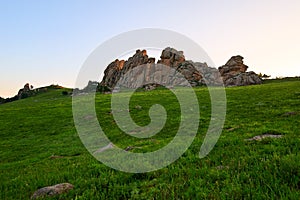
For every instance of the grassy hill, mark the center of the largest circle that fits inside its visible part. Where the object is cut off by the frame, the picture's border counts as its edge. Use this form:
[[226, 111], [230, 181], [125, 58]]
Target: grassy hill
[[39, 146]]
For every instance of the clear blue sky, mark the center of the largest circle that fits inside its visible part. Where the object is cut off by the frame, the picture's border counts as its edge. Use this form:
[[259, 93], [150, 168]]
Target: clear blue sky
[[46, 42]]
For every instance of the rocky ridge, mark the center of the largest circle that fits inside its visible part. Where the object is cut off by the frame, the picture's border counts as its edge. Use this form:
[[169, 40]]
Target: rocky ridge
[[233, 73], [28, 91]]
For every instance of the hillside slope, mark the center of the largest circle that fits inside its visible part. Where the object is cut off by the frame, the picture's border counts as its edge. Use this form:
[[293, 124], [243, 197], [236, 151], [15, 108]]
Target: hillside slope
[[39, 146]]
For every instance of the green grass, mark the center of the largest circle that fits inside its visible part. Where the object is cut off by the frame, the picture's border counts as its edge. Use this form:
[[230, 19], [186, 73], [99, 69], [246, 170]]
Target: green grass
[[34, 129]]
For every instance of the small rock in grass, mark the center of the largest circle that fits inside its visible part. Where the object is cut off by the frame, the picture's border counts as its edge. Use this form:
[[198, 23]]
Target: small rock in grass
[[220, 167], [88, 117], [232, 128], [131, 147], [138, 107], [109, 146], [128, 148], [55, 157], [52, 190], [289, 114], [260, 137]]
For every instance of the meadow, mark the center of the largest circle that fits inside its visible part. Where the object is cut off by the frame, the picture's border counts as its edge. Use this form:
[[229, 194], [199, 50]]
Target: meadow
[[39, 146]]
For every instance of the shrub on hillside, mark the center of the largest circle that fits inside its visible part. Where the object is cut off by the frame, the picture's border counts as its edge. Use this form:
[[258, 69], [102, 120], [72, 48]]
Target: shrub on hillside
[[64, 93], [102, 89], [2, 100]]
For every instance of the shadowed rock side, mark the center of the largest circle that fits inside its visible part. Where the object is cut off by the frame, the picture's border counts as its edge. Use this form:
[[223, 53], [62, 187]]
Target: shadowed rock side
[[233, 73]]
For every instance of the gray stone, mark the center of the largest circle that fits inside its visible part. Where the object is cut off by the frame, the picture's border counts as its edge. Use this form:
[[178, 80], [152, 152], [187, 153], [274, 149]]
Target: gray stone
[[52, 190], [109, 146], [261, 137]]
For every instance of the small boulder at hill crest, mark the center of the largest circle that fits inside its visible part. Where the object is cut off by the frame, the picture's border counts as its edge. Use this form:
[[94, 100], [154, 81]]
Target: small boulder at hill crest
[[25, 92]]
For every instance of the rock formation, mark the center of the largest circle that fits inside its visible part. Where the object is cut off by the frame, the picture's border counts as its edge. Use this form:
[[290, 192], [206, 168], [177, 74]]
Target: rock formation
[[175, 59], [116, 69], [196, 73], [25, 92], [233, 73], [171, 57]]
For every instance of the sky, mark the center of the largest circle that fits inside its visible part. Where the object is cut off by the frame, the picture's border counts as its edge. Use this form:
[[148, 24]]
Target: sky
[[47, 42]]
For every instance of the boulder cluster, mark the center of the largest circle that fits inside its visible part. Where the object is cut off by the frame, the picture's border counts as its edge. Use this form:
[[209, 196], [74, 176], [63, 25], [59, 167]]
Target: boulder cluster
[[25, 92], [233, 73]]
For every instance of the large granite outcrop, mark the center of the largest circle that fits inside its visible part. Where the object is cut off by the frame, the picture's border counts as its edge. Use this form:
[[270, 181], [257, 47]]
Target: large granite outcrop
[[117, 68], [196, 73], [233, 73]]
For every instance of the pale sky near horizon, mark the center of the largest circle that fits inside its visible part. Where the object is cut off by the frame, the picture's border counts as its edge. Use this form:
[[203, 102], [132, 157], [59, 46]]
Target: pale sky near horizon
[[46, 42]]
